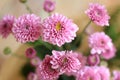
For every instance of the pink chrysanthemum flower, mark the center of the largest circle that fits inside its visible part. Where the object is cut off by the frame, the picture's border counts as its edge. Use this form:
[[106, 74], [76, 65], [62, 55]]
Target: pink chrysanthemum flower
[[93, 59], [88, 73], [49, 5], [99, 42], [109, 53], [64, 61], [45, 70], [35, 61], [32, 76], [98, 14], [6, 25], [104, 73], [58, 29], [27, 28], [116, 75], [30, 52]]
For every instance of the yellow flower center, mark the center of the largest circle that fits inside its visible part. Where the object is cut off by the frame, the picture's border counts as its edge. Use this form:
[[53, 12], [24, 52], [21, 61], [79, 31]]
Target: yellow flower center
[[58, 26]]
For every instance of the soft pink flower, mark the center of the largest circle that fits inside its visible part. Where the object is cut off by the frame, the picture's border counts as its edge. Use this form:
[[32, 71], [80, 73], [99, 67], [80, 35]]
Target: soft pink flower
[[116, 75], [98, 14], [104, 72], [109, 53], [82, 60], [6, 25], [99, 42], [45, 71], [49, 5], [88, 73], [35, 61], [30, 52], [64, 61], [27, 28], [32, 76], [59, 30], [93, 59]]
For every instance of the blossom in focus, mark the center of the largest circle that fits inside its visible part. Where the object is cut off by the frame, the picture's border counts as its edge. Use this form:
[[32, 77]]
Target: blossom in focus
[[49, 5], [6, 25], [65, 61], [27, 28], [30, 53], [109, 53], [116, 75], [99, 42], [98, 14], [93, 59], [45, 71], [88, 73], [58, 30], [32, 76]]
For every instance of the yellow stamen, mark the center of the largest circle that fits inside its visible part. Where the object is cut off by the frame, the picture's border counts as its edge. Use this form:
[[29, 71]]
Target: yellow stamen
[[58, 26]]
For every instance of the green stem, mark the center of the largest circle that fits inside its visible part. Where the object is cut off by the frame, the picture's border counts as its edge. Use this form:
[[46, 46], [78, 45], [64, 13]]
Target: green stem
[[28, 8], [79, 35]]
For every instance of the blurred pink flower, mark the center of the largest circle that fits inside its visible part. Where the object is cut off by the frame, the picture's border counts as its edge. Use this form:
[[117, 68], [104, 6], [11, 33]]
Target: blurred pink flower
[[27, 28], [104, 72], [93, 59], [32, 76], [109, 53], [30, 52], [98, 14], [99, 42], [45, 71], [6, 25], [88, 73], [49, 5], [58, 30], [64, 61], [35, 61], [116, 75]]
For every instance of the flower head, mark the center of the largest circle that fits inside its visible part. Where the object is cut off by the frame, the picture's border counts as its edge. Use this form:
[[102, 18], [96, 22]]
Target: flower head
[[49, 5], [93, 59], [32, 76], [98, 14], [99, 42], [35, 61], [30, 52], [6, 25], [64, 61], [27, 28], [45, 71], [109, 53], [116, 75], [88, 73], [58, 30]]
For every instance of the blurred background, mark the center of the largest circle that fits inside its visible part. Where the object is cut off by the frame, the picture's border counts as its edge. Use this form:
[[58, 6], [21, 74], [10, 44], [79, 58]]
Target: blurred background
[[10, 66]]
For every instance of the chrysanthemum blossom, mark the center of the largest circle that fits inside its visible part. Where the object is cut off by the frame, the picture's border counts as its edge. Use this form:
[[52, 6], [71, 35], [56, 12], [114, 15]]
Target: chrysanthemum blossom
[[27, 28], [35, 61], [99, 42], [32, 76], [58, 30], [45, 71], [93, 59], [30, 52], [88, 73], [104, 72], [64, 61], [116, 75], [98, 14], [6, 25], [109, 53], [49, 5]]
